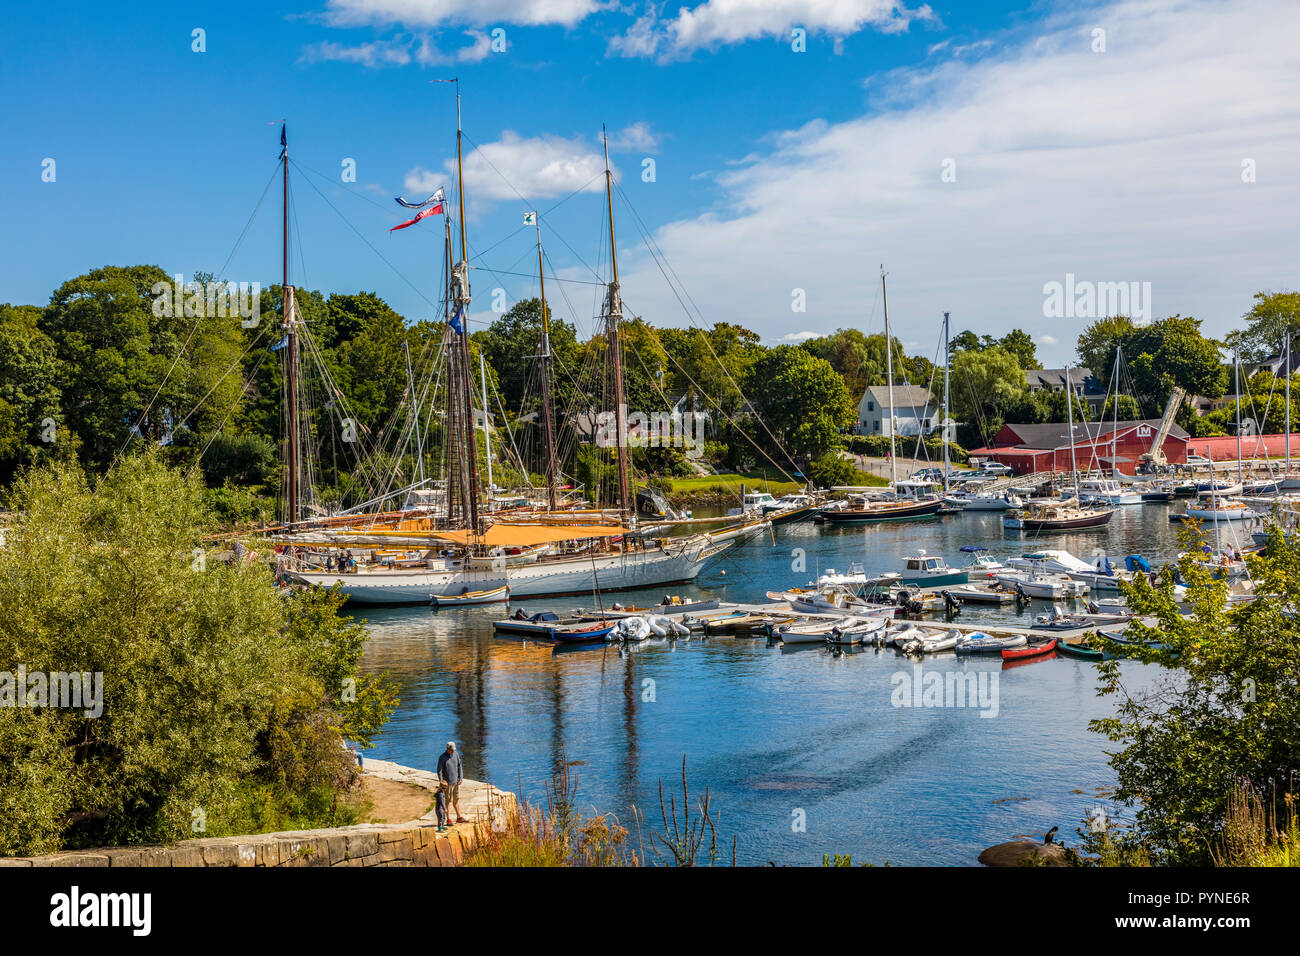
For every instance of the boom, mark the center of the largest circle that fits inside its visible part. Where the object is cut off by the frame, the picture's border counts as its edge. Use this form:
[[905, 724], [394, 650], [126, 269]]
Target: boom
[[1157, 453]]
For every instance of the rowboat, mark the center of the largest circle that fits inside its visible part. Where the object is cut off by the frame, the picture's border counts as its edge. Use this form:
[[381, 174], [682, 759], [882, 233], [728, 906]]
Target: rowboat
[[581, 633], [857, 634], [537, 625], [729, 623], [467, 598], [1029, 650], [981, 643], [1079, 647]]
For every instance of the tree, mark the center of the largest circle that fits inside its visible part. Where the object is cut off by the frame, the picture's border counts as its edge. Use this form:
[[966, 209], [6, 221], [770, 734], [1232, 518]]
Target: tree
[[802, 399], [214, 693], [1228, 712], [1158, 356], [29, 391], [1128, 408], [985, 385], [1268, 322], [1021, 344]]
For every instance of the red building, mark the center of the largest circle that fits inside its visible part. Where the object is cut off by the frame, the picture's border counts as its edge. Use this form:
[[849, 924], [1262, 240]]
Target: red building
[[1098, 446], [1224, 447]]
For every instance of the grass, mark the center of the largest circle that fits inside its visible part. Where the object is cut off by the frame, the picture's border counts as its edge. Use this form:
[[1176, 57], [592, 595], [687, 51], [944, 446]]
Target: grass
[[732, 481]]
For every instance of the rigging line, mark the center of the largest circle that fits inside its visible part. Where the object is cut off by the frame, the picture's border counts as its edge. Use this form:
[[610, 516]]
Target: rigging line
[[249, 381], [238, 362], [729, 418], [529, 202], [368, 243], [657, 256], [530, 275], [248, 225]]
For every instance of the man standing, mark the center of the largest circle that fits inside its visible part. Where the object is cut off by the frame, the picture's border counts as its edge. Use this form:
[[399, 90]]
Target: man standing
[[451, 773]]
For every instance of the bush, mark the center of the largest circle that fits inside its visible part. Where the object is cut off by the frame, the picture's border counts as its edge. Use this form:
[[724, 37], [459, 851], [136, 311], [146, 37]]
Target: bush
[[215, 694]]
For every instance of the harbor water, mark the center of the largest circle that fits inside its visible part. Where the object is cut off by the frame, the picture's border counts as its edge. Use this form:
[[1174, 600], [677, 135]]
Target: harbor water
[[804, 751]]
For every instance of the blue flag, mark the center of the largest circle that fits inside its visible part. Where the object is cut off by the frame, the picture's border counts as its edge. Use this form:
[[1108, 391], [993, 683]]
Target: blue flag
[[456, 320], [280, 344]]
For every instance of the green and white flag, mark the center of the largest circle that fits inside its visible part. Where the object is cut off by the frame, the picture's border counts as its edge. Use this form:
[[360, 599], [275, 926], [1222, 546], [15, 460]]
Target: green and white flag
[[530, 219]]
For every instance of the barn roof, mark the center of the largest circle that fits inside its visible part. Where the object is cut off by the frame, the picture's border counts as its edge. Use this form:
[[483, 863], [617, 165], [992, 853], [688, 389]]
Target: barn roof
[[1057, 434]]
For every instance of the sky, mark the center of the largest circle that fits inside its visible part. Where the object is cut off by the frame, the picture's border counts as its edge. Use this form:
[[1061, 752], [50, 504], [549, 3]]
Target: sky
[[774, 154]]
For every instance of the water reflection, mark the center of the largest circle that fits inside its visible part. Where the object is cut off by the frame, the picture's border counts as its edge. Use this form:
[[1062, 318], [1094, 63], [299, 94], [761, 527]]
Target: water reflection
[[773, 732]]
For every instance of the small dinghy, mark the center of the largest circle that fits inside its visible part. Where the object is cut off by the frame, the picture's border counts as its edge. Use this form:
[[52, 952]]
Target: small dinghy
[[981, 643], [1029, 650], [581, 633], [932, 644], [1079, 647], [469, 598], [857, 634]]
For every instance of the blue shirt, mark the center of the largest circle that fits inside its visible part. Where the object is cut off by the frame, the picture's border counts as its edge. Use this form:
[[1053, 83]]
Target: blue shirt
[[449, 767]]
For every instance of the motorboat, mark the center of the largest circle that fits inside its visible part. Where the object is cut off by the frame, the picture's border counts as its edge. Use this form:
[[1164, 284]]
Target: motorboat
[[1107, 491], [980, 643], [928, 570]]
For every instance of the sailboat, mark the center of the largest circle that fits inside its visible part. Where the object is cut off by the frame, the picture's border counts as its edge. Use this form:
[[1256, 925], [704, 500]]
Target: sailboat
[[472, 551], [861, 509], [1067, 515]]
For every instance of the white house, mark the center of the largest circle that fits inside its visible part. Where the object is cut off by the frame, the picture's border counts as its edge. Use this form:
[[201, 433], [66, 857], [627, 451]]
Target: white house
[[915, 412]]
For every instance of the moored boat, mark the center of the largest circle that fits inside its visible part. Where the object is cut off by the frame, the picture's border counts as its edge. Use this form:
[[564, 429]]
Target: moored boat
[[1029, 650], [468, 598]]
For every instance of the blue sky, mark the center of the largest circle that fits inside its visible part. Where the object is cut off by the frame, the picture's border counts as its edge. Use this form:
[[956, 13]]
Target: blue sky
[[776, 171]]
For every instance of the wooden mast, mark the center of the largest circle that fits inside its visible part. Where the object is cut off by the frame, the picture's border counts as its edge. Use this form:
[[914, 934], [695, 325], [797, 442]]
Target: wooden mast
[[543, 359], [293, 463], [462, 300], [947, 362], [613, 315]]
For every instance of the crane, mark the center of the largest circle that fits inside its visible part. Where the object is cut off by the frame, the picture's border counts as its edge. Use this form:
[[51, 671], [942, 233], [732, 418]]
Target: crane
[[1156, 456]]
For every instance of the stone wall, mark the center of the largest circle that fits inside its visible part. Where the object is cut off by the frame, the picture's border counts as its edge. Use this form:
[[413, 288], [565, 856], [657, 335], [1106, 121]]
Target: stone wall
[[416, 843]]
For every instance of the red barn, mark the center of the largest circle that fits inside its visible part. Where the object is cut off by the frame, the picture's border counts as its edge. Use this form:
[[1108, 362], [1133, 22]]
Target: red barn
[[1099, 446]]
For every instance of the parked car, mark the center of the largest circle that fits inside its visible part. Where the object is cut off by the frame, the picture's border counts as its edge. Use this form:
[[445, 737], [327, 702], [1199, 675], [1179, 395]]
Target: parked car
[[1197, 461]]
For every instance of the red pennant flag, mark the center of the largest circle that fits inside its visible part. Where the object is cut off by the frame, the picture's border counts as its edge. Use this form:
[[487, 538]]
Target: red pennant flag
[[432, 210]]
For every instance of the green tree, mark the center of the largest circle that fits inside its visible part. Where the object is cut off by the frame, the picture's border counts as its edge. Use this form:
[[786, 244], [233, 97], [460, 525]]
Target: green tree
[[1268, 322], [985, 384], [29, 390], [1158, 356], [1229, 710], [217, 694], [802, 399], [1021, 344]]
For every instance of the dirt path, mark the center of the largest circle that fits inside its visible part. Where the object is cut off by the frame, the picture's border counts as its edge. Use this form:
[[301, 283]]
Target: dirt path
[[395, 802]]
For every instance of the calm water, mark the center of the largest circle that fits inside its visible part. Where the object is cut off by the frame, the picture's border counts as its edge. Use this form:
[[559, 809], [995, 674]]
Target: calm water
[[779, 736]]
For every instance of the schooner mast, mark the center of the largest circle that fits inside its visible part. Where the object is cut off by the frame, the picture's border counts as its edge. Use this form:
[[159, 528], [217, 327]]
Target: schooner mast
[[293, 448], [613, 315], [462, 457], [543, 357]]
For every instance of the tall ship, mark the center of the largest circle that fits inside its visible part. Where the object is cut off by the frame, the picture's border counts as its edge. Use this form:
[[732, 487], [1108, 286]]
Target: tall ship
[[446, 535]]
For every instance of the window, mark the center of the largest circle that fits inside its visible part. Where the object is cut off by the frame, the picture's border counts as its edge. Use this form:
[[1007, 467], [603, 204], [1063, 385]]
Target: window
[[871, 406]]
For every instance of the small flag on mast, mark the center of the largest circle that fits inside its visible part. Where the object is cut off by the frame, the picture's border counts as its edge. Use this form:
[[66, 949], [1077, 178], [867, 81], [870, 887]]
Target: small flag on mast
[[426, 209], [530, 219], [437, 197]]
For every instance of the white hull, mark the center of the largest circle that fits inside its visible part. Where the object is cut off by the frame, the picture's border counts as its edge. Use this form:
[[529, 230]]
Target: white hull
[[547, 578]]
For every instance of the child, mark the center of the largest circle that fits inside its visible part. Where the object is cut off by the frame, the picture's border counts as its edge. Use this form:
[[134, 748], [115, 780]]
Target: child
[[442, 805]]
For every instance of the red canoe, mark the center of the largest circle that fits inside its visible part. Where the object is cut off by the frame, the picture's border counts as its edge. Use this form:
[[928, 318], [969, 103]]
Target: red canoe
[[1029, 650]]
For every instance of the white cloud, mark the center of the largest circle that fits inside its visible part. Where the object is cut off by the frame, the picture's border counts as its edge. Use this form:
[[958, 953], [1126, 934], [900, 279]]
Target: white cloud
[[799, 336], [541, 167], [638, 137], [1047, 340], [478, 49], [1118, 166], [400, 51], [717, 23], [415, 14], [375, 54]]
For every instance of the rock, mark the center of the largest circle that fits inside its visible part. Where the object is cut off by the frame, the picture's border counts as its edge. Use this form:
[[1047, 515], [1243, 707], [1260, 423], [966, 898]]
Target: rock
[[1024, 853]]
